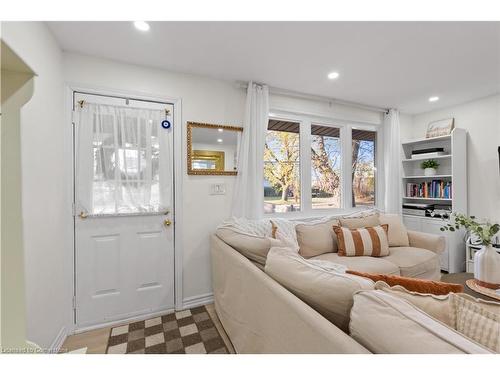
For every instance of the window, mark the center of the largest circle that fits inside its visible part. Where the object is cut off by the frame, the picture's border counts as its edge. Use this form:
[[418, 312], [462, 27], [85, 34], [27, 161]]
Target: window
[[363, 167], [307, 165], [282, 167], [325, 167]]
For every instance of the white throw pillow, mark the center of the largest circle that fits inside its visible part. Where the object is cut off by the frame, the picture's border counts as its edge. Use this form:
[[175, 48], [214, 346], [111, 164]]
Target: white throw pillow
[[398, 235]]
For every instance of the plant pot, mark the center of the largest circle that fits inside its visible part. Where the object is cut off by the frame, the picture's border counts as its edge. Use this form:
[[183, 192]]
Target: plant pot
[[487, 267], [429, 171]]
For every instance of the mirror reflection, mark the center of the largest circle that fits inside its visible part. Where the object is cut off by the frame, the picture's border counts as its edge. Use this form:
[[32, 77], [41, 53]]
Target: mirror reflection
[[212, 149]]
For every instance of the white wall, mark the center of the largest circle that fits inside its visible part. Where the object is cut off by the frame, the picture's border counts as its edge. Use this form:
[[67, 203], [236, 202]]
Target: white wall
[[45, 193], [481, 119]]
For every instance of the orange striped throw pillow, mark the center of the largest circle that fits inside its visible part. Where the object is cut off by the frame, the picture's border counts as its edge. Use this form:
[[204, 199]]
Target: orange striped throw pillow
[[369, 241]]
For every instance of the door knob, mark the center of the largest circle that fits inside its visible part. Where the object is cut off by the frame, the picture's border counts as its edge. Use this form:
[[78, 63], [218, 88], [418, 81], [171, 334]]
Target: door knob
[[83, 215], [167, 222]]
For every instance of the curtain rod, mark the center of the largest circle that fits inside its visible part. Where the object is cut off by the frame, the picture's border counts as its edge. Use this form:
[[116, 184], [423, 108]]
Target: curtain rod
[[296, 94]]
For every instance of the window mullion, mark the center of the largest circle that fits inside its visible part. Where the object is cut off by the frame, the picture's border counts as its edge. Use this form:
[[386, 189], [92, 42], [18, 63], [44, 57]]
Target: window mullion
[[346, 141], [305, 165]]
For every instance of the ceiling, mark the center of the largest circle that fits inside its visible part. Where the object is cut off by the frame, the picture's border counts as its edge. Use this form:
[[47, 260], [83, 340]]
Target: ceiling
[[382, 64]]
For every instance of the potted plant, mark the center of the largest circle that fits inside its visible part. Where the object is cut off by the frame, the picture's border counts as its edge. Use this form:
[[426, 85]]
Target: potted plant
[[486, 260], [429, 167]]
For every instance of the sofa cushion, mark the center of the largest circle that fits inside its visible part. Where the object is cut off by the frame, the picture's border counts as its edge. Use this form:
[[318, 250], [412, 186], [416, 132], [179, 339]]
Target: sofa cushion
[[385, 324], [440, 307], [327, 291], [398, 235], [370, 241], [251, 246], [316, 238], [363, 263], [413, 262], [371, 220]]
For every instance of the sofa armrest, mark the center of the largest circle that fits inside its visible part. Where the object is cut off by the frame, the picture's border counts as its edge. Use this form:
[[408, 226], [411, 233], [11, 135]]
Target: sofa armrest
[[432, 242]]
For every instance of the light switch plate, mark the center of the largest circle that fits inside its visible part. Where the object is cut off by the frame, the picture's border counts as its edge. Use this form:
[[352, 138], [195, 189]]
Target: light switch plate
[[217, 189]]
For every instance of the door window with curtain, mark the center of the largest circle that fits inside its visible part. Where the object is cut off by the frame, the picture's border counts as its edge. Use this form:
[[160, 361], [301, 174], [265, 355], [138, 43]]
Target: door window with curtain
[[118, 160]]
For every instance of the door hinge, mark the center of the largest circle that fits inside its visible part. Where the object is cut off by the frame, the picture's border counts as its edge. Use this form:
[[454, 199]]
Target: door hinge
[[74, 302]]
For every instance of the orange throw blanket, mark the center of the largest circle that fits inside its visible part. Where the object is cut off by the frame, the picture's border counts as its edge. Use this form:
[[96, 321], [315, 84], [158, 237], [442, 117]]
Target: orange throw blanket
[[414, 285]]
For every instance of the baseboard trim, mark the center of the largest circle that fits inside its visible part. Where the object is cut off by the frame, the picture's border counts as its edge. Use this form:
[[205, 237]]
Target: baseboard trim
[[58, 341], [126, 320], [202, 299]]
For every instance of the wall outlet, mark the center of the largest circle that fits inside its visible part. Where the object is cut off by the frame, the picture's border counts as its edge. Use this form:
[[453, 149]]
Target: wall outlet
[[217, 189]]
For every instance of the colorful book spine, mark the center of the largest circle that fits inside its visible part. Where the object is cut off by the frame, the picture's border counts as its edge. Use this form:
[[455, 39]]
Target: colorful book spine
[[431, 189]]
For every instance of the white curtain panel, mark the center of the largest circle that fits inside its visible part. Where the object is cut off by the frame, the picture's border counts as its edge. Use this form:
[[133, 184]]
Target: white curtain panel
[[120, 152], [392, 160], [248, 196]]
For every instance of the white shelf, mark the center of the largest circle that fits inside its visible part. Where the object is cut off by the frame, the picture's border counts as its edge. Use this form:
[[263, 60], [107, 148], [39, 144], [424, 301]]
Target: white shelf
[[426, 140], [453, 168], [429, 199], [428, 177], [433, 157]]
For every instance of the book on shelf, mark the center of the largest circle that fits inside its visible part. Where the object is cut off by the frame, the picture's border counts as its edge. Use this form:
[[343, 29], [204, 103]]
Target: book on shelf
[[430, 189]]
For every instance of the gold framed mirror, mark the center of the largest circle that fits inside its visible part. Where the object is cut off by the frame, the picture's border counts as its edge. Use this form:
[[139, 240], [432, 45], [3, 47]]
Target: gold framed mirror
[[212, 149]]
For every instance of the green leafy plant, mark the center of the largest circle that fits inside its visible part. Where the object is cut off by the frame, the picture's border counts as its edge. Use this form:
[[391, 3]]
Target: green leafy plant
[[431, 163], [484, 231]]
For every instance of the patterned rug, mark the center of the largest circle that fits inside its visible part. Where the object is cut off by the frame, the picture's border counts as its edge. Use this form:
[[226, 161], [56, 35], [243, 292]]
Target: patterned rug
[[185, 332]]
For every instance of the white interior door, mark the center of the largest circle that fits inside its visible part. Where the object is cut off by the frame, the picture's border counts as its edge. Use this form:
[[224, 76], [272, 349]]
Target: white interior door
[[124, 235]]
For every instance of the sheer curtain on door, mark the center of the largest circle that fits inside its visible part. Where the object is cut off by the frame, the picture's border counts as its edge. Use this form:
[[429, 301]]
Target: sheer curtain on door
[[119, 154]]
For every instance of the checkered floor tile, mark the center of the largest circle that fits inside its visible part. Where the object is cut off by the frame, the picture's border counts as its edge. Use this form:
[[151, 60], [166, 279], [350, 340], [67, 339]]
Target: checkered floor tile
[[184, 332]]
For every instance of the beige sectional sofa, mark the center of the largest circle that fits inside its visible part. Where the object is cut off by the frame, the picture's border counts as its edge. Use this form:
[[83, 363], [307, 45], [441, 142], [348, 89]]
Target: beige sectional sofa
[[278, 301]]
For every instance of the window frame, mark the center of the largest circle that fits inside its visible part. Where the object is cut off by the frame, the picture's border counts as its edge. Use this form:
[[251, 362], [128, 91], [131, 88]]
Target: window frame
[[305, 122]]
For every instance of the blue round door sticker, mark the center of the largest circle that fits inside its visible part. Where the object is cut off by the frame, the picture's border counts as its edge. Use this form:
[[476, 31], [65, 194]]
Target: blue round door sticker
[[165, 124]]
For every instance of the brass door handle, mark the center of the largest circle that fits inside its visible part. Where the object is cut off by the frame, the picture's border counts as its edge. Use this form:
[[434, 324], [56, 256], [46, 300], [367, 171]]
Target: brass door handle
[[83, 215], [167, 222]]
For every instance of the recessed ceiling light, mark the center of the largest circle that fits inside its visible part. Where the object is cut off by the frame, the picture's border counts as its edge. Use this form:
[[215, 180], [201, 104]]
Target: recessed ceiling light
[[333, 75], [220, 130], [219, 140], [434, 98], [141, 25]]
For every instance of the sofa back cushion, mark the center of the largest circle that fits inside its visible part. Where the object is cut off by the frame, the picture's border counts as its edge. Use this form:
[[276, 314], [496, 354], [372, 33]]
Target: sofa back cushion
[[362, 221], [398, 235], [369, 241], [316, 238], [253, 247], [327, 291], [386, 324]]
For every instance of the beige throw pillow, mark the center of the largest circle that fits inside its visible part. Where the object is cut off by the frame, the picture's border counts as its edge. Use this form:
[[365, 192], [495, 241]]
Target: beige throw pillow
[[439, 307], [476, 322], [398, 235], [316, 238], [386, 324], [360, 221]]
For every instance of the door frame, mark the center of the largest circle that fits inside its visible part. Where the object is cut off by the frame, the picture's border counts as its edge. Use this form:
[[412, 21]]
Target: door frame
[[70, 88]]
